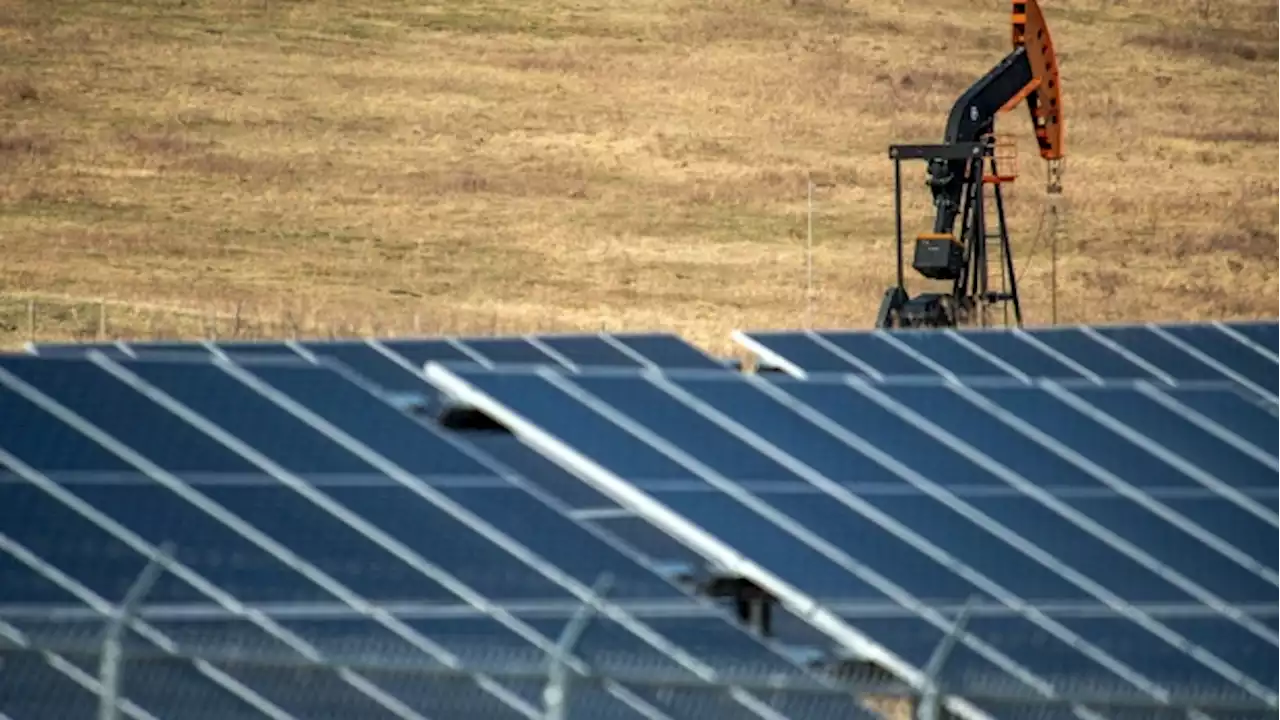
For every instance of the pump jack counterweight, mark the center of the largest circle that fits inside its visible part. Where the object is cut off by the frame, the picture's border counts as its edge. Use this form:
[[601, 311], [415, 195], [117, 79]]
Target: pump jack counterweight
[[957, 178]]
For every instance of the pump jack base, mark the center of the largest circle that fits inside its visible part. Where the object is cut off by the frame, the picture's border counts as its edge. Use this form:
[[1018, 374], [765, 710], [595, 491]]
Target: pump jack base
[[927, 310]]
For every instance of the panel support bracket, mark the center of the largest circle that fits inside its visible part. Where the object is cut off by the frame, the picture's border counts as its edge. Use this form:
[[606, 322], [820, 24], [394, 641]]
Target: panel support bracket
[[753, 605], [555, 696], [110, 669]]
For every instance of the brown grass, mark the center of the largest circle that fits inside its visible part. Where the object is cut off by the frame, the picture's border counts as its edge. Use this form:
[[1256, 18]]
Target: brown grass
[[391, 166]]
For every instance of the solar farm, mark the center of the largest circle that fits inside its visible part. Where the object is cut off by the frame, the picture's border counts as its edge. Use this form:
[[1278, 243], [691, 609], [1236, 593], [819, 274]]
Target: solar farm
[[975, 523], [933, 518]]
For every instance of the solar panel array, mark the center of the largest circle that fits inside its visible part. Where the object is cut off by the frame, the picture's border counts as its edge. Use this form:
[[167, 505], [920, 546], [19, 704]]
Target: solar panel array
[[1240, 353], [1050, 523]]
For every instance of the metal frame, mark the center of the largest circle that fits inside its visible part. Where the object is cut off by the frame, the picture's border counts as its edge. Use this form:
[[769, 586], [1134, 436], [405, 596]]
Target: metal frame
[[971, 291]]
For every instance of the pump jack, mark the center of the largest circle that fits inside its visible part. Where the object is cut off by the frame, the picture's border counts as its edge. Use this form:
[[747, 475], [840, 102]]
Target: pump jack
[[960, 169]]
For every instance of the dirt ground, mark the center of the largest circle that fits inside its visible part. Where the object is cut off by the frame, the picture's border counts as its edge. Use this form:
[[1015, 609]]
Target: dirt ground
[[188, 167]]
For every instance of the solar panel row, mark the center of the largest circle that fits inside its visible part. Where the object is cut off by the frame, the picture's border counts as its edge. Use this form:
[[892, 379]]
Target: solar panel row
[[1244, 354], [289, 488], [1118, 541], [395, 363]]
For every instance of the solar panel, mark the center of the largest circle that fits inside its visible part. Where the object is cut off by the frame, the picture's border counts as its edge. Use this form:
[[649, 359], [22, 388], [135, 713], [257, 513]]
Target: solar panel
[[305, 495], [1147, 536], [1168, 354]]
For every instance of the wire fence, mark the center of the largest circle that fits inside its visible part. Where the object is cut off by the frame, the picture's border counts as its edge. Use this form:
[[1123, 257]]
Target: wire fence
[[147, 661], [48, 317], [52, 318], [74, 671]]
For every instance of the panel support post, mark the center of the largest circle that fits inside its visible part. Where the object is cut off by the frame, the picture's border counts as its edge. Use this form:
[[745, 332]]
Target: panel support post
[[109, 665], [929, 703], [555, 696]]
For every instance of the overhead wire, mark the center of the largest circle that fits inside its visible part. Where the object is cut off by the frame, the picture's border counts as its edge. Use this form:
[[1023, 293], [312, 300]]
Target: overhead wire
[[1052, 212]]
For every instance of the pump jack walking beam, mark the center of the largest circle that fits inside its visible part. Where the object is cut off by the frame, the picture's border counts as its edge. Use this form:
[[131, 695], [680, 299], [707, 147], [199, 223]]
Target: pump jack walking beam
[[957, 176]]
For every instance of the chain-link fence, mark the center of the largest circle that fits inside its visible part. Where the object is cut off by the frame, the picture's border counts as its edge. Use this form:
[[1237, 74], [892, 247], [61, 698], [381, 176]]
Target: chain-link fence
[[70, 664]]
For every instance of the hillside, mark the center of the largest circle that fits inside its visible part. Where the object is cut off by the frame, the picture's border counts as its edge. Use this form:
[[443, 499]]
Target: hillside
[[180, 167]]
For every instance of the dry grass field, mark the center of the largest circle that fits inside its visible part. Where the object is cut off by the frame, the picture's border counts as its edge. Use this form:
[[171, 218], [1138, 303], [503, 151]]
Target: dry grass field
[[477, 166]]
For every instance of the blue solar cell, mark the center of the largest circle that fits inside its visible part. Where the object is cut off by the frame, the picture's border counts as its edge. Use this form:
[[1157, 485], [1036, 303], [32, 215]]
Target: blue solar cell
[[80, 549], [589, 351], [1098, 556], [46, 443], [413, 446], [988, 435], [201, 542], [1020, 354], [1105, 446], [1235, 355], [434, 532], [930, 520], [1266, 333], [101, 400], [940, 348], [1185, 437], [1171, 542], [268, 348], [253, 419], [1093, 441], [333, 545], [1089, 353], [369, 364], [648, 540], [546, 403], [1239, 414], [510, 351], [57, 350], [515, 456], [1223, 518], [800, 564], [418, 352], [1160, 353], [801, 351], [145, 353], [652, 407], [253, 350], [669, 351], [1182, 673], [871, 423], [566, 545], [857, 414], [157, 347], [872, 350]]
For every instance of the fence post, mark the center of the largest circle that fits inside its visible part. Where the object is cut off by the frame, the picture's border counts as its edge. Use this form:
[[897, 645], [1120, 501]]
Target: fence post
[[555, 696], [109, 667], [929, 704], [31, 319]]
